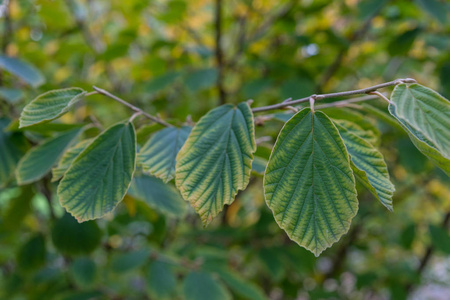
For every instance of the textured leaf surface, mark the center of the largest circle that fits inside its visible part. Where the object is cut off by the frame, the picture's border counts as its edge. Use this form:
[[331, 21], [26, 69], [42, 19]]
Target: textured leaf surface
[[100, 176], [203, 286], [12, 147], [71, 237], [368, 164], [365, 122], [425, 115], [39, 160], [161, 280], [354, 128], [23, 70], [50, 106], [309, 185], [158, 155], [158, 195], [67, 159], [216, 160]]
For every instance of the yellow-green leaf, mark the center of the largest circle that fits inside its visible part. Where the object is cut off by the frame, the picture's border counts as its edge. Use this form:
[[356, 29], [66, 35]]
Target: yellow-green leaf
[[309, 184], [216, 160], [100, 176], [49, 106], [40, 159], [368, 164], [158, 155]]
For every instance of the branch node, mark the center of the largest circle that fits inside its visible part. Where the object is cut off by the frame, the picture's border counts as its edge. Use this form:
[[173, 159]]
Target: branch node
[[380, 95], [312, 99]]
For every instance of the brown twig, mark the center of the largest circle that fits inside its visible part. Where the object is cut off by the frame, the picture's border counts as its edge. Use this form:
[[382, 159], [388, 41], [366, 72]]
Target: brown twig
[[136, 109], [333, 95]]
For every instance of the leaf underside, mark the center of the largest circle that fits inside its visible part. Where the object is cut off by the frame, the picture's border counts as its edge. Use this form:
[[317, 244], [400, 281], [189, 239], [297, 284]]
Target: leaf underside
[[158, 195], [425, 116], [158, 156], [50, 106], [309, 185], [99, 177], [368, 165], [216, 160]]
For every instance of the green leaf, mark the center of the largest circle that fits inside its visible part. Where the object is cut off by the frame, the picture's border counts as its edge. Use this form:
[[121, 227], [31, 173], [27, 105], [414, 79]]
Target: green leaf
[[11, 95], [158, 195], [161, 281], [23, 70], [159, 83], [125, 262], [83, 271], [401, 44], [73, 238], [381, 115], [19, 207], [359, 131], [99, 177], [368, 164], [67, 159], [216, 160], [40, 159], [241, 286], [309, 184], [440, 238], [259, 165], [32, 254], [436, 8], [201, 79], [12, 147], [363, 121], [49, 106], [425, 116], [158, 155], [202, 286]]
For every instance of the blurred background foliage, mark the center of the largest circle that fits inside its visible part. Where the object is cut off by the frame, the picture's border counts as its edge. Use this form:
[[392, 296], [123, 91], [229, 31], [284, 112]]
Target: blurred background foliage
[[163, 56]]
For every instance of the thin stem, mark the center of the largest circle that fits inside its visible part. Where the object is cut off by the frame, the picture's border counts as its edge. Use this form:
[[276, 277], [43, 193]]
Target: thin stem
[[333, 95], [136, 109], [136, 114], [91, 93], [381, 96]]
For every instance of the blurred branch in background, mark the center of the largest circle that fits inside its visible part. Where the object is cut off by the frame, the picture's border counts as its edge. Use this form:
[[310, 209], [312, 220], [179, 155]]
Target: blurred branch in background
[[355, 37], [219, 52], [96, 44], [426, 258]]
